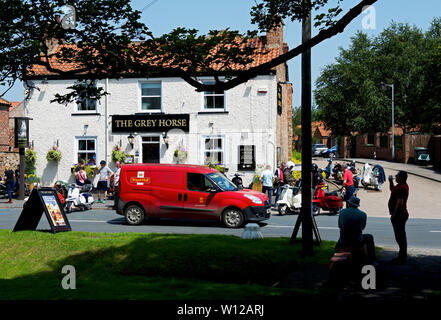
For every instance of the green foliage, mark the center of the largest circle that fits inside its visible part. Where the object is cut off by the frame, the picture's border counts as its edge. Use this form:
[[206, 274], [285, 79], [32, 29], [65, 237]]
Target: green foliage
[[349, 94], [53, 155], [30, 160], [118, 156]]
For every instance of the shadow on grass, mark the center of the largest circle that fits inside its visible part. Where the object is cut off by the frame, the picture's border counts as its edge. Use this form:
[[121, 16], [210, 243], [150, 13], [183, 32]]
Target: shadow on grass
[[167, 267]]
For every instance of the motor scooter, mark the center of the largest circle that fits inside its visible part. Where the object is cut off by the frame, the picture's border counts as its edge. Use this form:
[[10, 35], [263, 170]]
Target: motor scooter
[[372, 176], [237, 180], [290, 200], [79, 197], [326, 201]]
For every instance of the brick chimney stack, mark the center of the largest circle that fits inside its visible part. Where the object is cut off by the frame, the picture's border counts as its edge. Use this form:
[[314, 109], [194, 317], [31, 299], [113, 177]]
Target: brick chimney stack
[[274, 37]]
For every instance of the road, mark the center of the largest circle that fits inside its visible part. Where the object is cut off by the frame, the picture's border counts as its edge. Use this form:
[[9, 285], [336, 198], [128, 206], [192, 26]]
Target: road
[[424, 196], [422, 233]]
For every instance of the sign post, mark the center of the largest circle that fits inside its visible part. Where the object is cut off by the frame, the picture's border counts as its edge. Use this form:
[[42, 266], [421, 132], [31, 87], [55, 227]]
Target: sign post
[[21, 141]]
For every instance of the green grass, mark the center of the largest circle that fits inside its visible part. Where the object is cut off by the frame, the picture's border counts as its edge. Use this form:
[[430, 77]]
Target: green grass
[[148, 266]]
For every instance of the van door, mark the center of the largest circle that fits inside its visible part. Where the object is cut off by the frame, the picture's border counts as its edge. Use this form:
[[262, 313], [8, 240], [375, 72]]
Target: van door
[[199, 202], [169, 188]]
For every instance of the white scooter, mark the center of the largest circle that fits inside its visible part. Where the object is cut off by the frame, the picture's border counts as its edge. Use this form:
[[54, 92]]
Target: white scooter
[[370, 178], [290, 201], [79, 198]]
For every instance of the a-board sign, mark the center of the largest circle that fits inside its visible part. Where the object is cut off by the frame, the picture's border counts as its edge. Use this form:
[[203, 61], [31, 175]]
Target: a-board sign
[[43, 200]]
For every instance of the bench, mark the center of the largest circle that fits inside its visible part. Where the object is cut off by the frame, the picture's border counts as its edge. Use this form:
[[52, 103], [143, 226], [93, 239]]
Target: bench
[[345, 264]]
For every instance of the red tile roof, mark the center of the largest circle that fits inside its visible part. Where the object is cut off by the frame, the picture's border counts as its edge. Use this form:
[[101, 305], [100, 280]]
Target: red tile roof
[[262, 55], [3, 101]]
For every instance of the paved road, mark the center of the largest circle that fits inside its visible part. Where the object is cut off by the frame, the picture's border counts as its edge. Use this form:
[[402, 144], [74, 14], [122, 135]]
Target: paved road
[[424, 196], [422, 233]]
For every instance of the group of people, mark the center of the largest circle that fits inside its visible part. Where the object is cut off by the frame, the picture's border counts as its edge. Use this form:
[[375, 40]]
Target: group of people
[[352, 220], [105, 173], [276, 180]]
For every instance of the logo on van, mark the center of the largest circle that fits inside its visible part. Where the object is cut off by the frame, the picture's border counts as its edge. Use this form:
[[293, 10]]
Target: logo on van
[[140, 180]]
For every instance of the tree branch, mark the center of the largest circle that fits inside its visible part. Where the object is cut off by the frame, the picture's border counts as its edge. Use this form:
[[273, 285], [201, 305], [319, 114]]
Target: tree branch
[[246, 75]]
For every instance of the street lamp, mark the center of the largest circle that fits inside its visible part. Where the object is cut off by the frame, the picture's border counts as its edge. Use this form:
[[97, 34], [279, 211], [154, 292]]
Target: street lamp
[[384, 85], [131, 138]]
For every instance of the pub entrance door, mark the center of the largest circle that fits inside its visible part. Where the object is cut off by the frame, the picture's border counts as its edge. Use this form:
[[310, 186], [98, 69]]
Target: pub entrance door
[[150, 149]]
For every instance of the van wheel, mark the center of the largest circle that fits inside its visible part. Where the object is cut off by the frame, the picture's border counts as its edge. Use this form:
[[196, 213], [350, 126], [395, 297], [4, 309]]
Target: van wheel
[[233, 218], [134, 215]]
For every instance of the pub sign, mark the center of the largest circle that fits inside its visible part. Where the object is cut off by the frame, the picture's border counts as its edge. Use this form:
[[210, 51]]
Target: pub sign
[[150, 123], [21, 132]]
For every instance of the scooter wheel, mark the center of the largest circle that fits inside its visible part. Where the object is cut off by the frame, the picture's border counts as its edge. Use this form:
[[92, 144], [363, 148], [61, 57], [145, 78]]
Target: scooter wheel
[[315, 210], [283, 208]]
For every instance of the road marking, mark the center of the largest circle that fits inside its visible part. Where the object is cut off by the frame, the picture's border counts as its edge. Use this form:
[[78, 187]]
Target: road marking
[[87, 221], [280, 226], [435, 231]]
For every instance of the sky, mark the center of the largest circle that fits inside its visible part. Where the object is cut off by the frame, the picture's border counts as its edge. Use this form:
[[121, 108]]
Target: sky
[[162, 16]]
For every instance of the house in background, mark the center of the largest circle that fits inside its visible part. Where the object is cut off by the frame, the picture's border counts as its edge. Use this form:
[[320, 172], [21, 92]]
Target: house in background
[[153, 119], [8, 154]]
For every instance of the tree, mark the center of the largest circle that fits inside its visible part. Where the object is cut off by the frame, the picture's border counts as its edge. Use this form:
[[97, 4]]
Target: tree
[[347, 96], [349, 92], [105, 30]]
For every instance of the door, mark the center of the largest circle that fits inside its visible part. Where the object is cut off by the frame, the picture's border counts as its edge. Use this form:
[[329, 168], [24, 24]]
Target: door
[[150, 149], [169, 190], [199, 202]]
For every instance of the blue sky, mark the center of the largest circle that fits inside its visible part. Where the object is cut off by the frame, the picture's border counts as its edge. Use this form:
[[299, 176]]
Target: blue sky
[[162, 16]]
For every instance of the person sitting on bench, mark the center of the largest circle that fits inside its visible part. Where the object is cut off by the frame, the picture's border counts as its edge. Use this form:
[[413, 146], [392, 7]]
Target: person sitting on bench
[[352, 222]]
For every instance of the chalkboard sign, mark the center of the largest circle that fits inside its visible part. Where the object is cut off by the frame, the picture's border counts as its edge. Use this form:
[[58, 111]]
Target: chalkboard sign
[[43, 200], [247, 157]]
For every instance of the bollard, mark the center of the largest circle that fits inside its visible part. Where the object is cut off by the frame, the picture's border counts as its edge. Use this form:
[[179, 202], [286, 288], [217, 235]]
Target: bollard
[[252, 231]]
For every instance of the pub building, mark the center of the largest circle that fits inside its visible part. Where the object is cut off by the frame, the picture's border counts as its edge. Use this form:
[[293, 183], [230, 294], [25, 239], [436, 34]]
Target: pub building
[[151, 119]]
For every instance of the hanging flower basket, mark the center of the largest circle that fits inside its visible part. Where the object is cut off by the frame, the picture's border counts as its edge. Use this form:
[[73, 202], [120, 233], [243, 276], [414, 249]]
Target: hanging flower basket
[[180, 154], [53, 155]]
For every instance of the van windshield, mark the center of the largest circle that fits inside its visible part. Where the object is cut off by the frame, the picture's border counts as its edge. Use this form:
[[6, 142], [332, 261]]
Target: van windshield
[[222, 181]]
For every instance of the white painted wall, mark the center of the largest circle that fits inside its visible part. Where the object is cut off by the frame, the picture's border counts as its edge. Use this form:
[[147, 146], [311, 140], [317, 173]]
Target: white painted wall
[[251, 119]]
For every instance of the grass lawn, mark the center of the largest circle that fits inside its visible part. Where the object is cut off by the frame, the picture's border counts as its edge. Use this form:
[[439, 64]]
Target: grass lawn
[[148, 266]]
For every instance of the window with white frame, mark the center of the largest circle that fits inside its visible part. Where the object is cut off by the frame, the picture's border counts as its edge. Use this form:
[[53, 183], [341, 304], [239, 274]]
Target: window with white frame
[[214, 149], [214, 100], [151, 96], [86, 150], [85, 103]]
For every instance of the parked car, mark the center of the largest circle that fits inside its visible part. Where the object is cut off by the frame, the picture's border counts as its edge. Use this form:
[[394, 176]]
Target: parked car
[[330, 153], [186, 192], [318, 148]]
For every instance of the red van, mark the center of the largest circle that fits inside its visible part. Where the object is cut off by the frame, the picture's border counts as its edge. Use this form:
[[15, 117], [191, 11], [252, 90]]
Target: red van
[[186, 192]]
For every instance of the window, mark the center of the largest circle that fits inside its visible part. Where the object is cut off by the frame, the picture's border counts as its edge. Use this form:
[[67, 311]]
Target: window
[[86, 150], [370, 139], [384, 141], [85, 103], [198, 182], [213, 149], [214, 99], [151, 96]]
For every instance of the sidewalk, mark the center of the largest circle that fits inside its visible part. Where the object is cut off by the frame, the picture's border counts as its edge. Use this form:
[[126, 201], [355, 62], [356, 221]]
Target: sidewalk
[[428, 172], [19, 204]]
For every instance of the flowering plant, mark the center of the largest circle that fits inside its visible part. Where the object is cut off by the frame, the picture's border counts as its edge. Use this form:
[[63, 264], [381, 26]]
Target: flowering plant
[[180, 154]]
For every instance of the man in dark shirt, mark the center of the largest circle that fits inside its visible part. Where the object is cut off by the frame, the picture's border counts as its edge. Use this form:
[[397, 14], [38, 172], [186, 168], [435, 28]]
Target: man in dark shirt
[[398, 211], [352, 222], [10, 183]]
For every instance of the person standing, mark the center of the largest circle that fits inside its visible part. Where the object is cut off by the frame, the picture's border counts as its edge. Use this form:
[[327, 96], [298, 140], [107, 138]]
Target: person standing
[[279, 177], [348, 183], [351, 223], [81, 176], [10, 184], [116, 185], [103, 180], [267, 182], [398, 211]]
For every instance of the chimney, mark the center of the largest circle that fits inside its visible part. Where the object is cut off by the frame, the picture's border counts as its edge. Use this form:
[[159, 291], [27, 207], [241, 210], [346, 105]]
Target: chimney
[[274, 37]]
